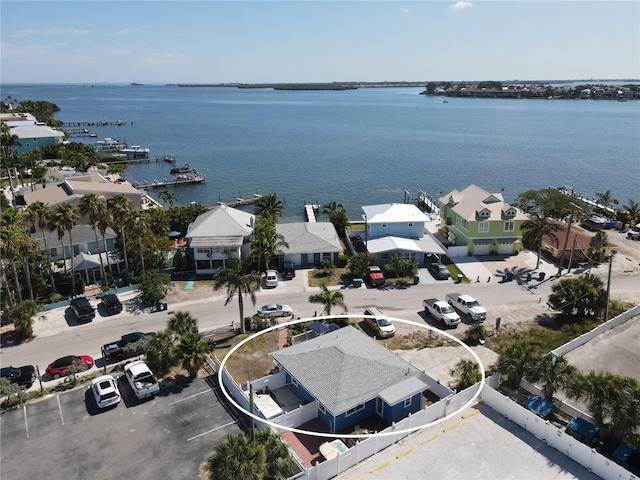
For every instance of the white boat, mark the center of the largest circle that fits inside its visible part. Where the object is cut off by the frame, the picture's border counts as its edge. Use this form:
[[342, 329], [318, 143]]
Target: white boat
[[135, 151]]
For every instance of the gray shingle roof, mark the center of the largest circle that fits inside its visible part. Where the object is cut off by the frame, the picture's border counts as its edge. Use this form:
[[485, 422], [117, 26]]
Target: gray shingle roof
[[344, 368], [220, 223], [309, 237]]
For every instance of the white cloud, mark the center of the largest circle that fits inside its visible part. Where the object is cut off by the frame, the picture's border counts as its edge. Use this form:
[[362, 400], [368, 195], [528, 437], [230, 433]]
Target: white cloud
[[118, 52], [404, 11], [72, 31], [461, 5], [24, 51], [23, 33]]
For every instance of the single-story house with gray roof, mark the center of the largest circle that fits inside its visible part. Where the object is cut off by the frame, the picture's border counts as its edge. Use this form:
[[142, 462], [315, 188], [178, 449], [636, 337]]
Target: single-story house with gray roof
[[310, 242], [351, 377]]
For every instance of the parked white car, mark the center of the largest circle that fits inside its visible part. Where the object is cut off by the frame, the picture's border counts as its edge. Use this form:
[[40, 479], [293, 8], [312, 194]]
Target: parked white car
[[271, 278], [141, 379], [105, 391]]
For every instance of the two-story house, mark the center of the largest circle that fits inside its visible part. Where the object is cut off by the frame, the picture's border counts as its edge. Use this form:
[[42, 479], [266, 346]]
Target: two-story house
[[481, 221], [397, 227], [218, 233]]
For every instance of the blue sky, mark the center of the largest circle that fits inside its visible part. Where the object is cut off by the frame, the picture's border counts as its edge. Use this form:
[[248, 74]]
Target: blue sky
[[306, 41]]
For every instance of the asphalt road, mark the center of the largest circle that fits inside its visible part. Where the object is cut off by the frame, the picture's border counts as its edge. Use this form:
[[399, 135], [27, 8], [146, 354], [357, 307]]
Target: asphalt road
[[65, 436]]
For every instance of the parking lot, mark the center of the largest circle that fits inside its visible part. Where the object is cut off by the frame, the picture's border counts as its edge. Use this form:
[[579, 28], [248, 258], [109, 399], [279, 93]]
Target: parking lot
[[66, 436]]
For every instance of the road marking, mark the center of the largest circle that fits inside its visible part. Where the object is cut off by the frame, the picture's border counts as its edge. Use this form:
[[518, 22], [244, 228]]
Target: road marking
[[213, 430], [470, 414], [451, 427], [190, 396], [433, 437], [406, 452], [60, 409], [26, 425], [380, 467]]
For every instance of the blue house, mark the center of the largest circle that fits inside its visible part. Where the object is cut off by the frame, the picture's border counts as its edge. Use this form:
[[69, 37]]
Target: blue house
[[398, 227], [352, 377]]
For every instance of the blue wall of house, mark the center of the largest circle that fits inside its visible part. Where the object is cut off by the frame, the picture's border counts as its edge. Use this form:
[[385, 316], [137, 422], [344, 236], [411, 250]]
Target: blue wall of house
[[28, 144], [399, 229], [342, 422], [395, 413]]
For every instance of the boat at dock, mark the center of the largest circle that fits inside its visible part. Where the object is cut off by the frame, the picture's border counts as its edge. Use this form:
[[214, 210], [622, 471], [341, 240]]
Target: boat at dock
[[135, 151], [184, 170]]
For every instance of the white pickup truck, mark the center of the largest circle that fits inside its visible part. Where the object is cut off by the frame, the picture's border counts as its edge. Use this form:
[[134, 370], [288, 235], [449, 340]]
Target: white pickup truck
[[441, 311], [467, 305], [141, 379]]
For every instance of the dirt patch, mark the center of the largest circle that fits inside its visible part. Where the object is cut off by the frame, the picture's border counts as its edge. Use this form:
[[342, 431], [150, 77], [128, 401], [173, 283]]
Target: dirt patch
[[252, 360]]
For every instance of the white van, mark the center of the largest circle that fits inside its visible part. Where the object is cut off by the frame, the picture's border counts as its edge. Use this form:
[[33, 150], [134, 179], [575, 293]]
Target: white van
[[382, 327]]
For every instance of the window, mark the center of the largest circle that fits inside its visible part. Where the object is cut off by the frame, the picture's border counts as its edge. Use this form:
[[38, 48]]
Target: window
[[407, 402], [509, 226], [354, 410], [483, 227], [465, 224], [321, 408], [294, 382], [327, 256], [384, 256], [53, 252]]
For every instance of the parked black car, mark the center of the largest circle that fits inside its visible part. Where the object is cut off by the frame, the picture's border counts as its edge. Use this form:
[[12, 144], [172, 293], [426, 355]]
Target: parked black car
[[21, 375], [439, 271], [83, 309], [288, 270], [111, 303]]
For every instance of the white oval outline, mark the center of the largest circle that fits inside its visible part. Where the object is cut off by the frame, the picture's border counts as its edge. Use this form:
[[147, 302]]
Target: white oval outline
[[333, 435]]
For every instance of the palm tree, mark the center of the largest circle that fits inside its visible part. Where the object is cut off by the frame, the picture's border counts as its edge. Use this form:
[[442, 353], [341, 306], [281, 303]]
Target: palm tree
[[466, 373], [38, 214], [138, 221], [90, 206], [66, 217], [167, 197], [554, 373], [238, 458], [237, 276], [269, 206], [104, 219], [182, 323], [328, 298], [595, 389], [398, 264], [606, 199], [161, 352], [633, 210], [267, 243], [192, 350], [535, 229], [515, 361], [11, 229], [120, 209], [332, 206]]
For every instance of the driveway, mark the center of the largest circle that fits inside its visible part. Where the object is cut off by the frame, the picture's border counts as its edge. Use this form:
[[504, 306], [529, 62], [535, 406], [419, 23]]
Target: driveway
[[66, 436]]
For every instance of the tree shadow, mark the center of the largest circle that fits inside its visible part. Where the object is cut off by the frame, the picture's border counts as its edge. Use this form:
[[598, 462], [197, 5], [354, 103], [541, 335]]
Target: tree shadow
[[175, 384], [8, 339]]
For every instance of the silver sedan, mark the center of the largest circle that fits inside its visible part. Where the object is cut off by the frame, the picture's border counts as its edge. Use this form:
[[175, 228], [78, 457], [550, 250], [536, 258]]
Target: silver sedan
[[275, 310]]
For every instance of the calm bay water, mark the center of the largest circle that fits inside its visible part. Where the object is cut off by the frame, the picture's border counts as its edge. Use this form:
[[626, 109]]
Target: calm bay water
[[358, 147]]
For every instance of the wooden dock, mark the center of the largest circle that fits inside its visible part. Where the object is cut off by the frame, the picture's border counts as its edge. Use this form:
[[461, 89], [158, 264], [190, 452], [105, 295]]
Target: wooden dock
[[310, 212], [242, 201], [177, 181]]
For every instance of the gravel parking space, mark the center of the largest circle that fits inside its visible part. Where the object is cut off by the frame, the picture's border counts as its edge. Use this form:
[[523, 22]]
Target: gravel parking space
[[66, 436]]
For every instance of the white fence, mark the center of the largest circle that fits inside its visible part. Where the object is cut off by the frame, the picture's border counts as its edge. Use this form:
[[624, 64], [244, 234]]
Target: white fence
[[553, 436], [585, 337]]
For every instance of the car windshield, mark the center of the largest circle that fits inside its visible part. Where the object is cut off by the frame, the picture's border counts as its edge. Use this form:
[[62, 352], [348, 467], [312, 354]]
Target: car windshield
[[447, 309], [475, 303], [145, 377], [383, 322]]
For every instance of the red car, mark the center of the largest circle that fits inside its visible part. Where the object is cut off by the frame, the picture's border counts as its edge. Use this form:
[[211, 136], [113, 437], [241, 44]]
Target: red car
[[61, 366]]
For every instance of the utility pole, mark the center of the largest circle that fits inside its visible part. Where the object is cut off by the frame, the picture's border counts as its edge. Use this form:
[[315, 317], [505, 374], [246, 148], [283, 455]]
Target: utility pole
[[564, 248], [606, 306], [573, 247]]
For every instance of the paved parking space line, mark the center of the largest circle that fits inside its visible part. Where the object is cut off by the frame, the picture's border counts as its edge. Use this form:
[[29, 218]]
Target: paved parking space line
[[26, 424], [210, 431], [60, 409], [190, 396]]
